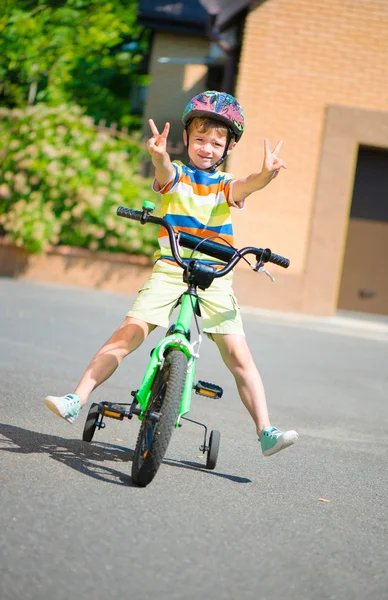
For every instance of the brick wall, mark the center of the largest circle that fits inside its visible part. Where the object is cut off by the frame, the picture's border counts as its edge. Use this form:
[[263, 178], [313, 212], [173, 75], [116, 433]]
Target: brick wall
[[299, 57], [173, 85]]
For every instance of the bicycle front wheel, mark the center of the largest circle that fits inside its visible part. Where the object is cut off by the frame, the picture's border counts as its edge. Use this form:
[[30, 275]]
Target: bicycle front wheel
[[159, 419]]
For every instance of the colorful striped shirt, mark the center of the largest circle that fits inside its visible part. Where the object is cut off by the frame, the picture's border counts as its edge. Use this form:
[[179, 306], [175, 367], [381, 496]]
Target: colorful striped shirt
[[197, 202]]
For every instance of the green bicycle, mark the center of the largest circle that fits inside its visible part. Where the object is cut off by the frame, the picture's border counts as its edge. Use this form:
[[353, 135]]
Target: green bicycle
[[164, 396]]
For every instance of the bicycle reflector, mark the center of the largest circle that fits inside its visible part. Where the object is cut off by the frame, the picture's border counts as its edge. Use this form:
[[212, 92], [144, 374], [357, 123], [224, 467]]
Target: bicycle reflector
[[114, 411], [204, 388]]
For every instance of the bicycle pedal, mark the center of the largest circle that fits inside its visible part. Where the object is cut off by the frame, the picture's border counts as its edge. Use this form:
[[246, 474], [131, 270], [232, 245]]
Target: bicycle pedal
[[204, 388], [114, 411]]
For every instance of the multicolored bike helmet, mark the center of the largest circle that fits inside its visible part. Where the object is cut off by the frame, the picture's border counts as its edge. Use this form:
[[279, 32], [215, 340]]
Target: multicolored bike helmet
[[216, 105]]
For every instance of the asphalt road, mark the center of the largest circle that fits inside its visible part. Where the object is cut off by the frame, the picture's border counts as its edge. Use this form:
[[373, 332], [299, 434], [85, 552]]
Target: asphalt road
[[309, 523]]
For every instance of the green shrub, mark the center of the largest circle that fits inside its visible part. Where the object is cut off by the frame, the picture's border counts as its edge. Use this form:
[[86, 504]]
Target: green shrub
[[61, 181]]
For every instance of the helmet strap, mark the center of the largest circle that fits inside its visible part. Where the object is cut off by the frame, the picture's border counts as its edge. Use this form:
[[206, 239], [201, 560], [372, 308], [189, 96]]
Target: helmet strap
[[225, 154]]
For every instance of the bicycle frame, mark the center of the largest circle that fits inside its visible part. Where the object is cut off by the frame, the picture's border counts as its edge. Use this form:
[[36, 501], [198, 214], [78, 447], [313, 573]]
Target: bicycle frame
[[177, 341], [200, 277]]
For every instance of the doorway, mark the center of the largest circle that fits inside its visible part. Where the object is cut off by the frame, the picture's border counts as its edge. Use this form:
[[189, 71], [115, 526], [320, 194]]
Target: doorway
[[364, 282]]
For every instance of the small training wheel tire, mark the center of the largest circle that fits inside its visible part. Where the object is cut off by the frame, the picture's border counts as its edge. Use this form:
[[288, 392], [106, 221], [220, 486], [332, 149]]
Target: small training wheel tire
[[214, 446], [91, 423]]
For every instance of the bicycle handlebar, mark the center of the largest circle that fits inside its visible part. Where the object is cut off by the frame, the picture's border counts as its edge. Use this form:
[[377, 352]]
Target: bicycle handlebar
[[227, 254]]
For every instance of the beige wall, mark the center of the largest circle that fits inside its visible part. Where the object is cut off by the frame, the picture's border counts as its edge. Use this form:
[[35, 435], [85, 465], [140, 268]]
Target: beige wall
[[345, 129], [299, 57], [364, 262], [173, 85]]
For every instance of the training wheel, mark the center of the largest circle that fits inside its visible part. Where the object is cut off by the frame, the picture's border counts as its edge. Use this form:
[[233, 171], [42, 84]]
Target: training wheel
[[91, 423], [212, 453]]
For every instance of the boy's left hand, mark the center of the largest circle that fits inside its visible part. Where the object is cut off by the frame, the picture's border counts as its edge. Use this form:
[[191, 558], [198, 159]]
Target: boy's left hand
[[272, 163]]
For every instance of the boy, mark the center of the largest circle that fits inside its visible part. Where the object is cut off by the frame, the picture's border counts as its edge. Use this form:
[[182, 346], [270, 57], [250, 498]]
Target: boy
[[195, 198]]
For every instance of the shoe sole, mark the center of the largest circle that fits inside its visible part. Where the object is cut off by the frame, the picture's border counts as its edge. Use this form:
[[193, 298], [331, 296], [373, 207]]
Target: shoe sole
[[281, 444], [52, 406]]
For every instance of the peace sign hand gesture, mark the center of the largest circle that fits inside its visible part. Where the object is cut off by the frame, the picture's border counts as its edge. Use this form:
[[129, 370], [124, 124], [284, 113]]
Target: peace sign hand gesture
[[157, 144], [272, 163]]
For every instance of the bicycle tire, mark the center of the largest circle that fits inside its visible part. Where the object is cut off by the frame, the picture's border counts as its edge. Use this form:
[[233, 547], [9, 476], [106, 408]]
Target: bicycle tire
[[91, 423], [214, 446], [154, 436]]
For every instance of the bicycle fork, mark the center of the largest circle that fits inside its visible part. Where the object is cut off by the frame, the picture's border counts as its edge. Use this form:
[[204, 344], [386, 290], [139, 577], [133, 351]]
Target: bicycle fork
[[177, 340]]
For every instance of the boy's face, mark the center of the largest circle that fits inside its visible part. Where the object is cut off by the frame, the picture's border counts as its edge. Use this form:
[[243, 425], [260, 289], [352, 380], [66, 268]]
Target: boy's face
[[205, 149]]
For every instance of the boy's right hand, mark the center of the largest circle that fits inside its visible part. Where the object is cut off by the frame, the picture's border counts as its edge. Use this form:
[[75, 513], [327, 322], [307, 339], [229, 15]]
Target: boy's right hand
[[157, 147], [157, 144]]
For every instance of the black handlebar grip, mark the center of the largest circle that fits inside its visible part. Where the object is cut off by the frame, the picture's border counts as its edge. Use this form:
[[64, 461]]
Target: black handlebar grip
[[129, 213], [281, 261]]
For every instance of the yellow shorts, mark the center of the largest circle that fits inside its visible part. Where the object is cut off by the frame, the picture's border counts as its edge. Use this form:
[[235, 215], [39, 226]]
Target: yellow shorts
[[158, 296]]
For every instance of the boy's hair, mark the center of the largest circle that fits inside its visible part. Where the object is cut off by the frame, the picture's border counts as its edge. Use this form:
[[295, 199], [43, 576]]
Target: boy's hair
[[205, 124]]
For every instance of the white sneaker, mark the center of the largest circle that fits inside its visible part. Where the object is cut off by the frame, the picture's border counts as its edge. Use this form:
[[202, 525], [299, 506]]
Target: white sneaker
[[273, 440], [67, 407]]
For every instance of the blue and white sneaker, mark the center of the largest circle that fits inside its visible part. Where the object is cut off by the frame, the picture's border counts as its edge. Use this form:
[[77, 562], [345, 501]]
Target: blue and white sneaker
[[273, 440], [67, 407]]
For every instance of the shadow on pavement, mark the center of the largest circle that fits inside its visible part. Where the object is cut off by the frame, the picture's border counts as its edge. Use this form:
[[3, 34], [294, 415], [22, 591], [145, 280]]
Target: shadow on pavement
[[185, 464], [81, 456], [76, 454]]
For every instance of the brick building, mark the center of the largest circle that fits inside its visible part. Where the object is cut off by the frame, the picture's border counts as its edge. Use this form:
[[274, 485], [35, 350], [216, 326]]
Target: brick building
[[314, 74]]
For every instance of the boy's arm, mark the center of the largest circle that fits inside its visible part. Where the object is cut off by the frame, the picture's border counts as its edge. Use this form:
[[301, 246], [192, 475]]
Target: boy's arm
[[272, 164], [157, 147]]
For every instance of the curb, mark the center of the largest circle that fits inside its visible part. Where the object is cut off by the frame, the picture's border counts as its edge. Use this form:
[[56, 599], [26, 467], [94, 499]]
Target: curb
[[356, 324]]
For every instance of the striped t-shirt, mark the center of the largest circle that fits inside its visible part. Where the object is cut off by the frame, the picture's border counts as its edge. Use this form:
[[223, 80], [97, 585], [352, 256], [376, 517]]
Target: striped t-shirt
[[197, 202]]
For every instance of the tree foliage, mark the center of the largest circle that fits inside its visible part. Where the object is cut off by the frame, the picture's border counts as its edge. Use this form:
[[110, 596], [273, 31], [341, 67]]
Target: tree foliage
[[61, 181], [87, 52]]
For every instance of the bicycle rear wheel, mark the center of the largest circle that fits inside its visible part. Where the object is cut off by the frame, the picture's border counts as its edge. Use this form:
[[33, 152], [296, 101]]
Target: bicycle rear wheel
[[159, 419]]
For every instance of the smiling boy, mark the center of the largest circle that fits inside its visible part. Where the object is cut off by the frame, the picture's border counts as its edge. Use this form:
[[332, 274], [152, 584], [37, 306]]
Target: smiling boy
[[196, 198]]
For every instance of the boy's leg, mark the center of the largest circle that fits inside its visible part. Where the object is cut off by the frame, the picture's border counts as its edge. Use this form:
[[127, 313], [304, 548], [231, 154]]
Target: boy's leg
[[238, 358], [127, 337]]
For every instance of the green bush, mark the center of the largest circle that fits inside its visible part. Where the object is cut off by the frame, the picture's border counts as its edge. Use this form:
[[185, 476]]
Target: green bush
[[61, 181]]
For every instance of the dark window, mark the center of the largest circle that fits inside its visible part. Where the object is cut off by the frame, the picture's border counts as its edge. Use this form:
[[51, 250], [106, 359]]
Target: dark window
[[189, 16], [370, 194], [185, 17], [215, 76]]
